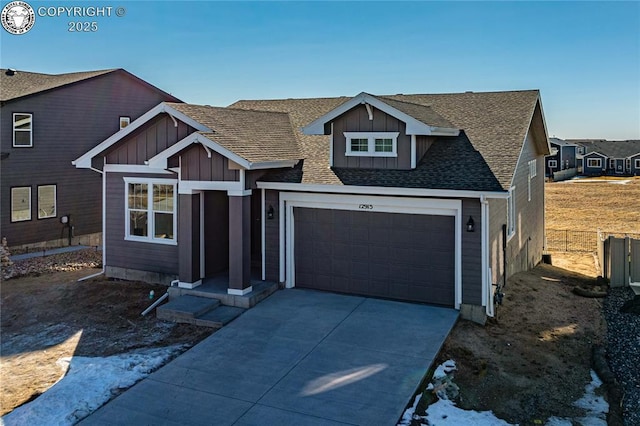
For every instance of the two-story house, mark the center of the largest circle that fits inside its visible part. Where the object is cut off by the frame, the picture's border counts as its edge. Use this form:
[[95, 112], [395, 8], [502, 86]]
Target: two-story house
[[424, 198], [46, 121]]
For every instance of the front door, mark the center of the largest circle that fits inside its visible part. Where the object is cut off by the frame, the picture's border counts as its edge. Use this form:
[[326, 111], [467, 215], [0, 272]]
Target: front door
[[619, 166]]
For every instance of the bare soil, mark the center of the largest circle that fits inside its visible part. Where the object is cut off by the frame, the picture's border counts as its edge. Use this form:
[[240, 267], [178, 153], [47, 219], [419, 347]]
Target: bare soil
[[45, 317], [534, 359]]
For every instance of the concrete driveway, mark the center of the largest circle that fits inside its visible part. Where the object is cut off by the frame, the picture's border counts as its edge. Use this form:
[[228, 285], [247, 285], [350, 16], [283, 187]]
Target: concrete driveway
[[300, 357]]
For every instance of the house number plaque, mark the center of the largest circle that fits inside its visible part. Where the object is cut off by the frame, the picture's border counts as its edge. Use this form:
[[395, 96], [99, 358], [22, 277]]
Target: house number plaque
[[365, 206]]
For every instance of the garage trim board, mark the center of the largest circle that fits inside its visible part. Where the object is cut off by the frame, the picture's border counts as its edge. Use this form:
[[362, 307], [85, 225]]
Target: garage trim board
[[429, 206]]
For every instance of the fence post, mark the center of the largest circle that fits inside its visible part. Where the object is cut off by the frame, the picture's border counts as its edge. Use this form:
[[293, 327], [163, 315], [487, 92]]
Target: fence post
[[566, 240], [627, 260]]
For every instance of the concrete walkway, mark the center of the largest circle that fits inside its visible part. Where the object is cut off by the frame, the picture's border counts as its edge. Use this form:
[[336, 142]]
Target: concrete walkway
[[298, 358]]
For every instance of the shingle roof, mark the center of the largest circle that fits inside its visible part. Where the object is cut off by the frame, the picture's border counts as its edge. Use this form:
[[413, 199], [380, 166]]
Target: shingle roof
[[256, 136], [612, 149], [484, 157], [24, 83]]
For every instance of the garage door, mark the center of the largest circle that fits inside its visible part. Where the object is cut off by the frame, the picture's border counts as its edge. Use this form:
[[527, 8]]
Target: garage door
[[398, 256]]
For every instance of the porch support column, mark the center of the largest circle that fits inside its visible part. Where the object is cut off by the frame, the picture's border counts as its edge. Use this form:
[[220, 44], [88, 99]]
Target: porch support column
[[240, 243], [189, 240]]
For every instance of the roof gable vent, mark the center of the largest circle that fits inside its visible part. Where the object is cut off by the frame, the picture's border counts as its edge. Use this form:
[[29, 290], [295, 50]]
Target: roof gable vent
[[10, 71]]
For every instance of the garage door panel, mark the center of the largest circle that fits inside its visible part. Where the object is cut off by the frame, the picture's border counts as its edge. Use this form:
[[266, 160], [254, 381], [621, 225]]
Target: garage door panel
[[399, 256]]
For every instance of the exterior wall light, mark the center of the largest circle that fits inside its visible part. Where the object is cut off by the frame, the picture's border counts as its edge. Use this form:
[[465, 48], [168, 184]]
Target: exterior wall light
[[270, 212], [471, 226]]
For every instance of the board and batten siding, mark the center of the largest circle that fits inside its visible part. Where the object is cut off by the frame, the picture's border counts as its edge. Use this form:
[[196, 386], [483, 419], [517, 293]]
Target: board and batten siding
[[471, 253], [357, 120], [196, 165], [150, 139], [67, 122], [133, 255]]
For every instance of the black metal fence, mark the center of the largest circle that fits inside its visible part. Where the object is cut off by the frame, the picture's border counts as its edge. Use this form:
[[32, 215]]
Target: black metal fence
[[568, 240], [577, 241]]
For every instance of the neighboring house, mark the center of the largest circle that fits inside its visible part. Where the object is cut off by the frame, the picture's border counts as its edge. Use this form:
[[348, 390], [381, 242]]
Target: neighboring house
[[563, 157], [618, 157], [426, 198], [47, 121]]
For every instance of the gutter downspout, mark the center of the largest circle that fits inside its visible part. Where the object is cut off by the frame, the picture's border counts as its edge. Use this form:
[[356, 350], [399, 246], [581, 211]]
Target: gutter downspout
[[104, 212]]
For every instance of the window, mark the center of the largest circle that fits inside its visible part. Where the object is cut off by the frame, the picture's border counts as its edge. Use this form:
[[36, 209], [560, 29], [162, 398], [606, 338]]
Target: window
[[20, 204], [553, 164], [46, 201], [511, 213], [378, 144], [637, 163], [22, 130], [594, 162], [124, 122], [532, 168], [612, 163], [150, 210]]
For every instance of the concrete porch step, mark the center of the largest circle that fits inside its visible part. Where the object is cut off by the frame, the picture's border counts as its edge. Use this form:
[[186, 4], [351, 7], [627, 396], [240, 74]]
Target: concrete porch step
[[201, 311], [186, 308]]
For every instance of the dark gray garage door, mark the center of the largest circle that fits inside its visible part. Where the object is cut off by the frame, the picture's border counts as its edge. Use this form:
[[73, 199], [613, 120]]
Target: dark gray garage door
[[398, 256]]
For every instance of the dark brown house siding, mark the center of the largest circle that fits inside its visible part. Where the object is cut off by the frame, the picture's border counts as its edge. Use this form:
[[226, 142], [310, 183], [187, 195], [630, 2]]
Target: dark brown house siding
[[471, 253], [357, 120], [67, 122], [133, 255], [272, 237], [147, 141], [196, 165]]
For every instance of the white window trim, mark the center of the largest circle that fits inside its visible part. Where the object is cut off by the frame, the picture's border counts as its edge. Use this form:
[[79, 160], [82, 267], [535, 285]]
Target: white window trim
[[637, 163], [612, 163], [371, 137], [511, 213], [533, 165], [13, 135], [124, 119], [553, 164], [151, 218], [20, 220], [597, 161], [55, 201]]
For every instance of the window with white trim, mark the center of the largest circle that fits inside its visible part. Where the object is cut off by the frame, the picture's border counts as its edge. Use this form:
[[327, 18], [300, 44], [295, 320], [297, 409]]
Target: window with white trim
[[124, 122], [553, 164], [612, 163], [22, 130], [594, 162], [20, 203], [511, 213], [637, 163], [151, 210], [372, 144], [46, 201], [533, 168]]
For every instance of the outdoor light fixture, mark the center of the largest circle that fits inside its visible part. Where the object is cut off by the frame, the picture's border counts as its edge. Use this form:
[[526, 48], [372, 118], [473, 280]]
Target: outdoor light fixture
[[270, 212], [471, 225], [64, 220]]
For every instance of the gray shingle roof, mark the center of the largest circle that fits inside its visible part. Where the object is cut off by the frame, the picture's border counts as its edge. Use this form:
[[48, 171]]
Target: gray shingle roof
[[24, 83], [484, 157], [256, 136], [612, 149]]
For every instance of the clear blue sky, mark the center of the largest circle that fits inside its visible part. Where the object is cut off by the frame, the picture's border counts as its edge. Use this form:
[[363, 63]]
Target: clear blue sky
[[583, 56]]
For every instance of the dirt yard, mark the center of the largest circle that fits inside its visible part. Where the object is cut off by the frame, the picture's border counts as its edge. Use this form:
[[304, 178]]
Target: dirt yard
[[49, 316]]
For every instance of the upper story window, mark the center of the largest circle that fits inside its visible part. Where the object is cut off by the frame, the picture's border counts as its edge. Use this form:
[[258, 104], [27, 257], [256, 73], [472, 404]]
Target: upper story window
[[151, 210], [372, 144], [22, 130], [124, 122]]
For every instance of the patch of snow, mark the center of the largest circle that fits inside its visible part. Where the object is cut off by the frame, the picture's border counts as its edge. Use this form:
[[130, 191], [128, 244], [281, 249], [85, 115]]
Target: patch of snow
[[595, 406], [88, 384], [445, 368], [445, 412], [408, 414]]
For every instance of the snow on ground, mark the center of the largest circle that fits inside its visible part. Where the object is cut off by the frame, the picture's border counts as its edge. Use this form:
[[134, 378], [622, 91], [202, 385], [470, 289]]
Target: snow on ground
[[88, 384], [444, 411], [588, 180]]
